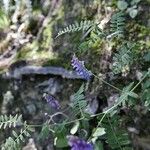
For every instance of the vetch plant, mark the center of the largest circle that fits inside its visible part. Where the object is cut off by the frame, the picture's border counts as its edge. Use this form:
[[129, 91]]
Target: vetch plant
[[76, 143], [80, 68], [131, 7], [74, 128], [79, 144], [51, 100]]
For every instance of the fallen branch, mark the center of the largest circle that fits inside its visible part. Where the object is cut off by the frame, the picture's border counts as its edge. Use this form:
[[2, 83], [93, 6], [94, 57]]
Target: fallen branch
[[38, 70]]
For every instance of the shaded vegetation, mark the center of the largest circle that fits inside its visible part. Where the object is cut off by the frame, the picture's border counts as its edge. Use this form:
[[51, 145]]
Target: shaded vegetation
[[107, 43]]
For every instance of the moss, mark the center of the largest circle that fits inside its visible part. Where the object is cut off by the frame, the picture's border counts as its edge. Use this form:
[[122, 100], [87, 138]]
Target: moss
[[57, 62], [47, 40]]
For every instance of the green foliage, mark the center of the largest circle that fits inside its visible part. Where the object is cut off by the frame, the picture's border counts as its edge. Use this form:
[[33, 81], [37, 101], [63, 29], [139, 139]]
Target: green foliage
[[96, 35], [122, 4], [83, 25], [79, 102], [108, 128], [98, 146], [145, 96], [133, 12], [61, 140], [44, 132], [126, 94], [126, 98], [99, 132], [116, 137], [4, 21], [117, 24], [95, 39], [60, 132], [123, 59], [130, 7], [10, 121], [75, 127], [13, 143], [47, 36], [147, 57]]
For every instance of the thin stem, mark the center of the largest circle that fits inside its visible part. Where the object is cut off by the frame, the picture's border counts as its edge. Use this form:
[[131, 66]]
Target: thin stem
[[73, 121], [59, 113], [140, 81], [107, 83], [96, 114], [105, 112], [97, 126]]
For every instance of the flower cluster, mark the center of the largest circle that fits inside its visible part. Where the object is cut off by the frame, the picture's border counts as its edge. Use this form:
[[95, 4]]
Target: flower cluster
[[80, 68], [51, 100], [78, 144]]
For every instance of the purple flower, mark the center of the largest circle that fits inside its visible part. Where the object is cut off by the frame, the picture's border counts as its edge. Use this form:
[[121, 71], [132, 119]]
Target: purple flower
[[78, 144], [52, 101], [80, 68]]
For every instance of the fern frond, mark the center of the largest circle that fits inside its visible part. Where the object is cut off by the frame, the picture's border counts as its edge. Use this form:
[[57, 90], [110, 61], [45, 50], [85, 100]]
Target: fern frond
[[97, 34], [10, 120], [59, 128], [123, 59], [13, 143], [44, 132], [9, 144], [126, 93], [83, 25], [79, 102], [126, 98], [117, 25], [117, 138]]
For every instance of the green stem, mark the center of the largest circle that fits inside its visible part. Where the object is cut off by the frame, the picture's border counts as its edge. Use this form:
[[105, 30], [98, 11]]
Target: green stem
[[140, 81], [107, 83], [105, 112]]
